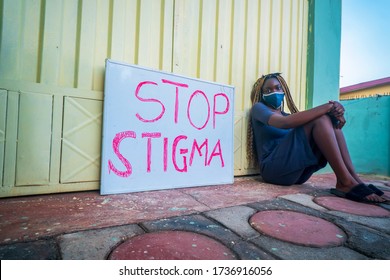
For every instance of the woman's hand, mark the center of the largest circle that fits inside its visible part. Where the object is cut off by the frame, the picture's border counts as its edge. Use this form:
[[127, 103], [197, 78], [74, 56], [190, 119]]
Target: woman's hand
[[337, 114], [337, 109], [341, 122]]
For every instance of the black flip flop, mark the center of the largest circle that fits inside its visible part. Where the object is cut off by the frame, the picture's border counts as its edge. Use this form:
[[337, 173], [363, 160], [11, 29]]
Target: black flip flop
[[376, 190], [357, 193], [380, 193]]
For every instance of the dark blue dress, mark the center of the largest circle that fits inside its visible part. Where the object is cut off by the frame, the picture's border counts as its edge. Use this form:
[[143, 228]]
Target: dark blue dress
[[285, 155]]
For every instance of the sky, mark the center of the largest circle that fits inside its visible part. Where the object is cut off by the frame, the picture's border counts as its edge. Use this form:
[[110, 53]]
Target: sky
[[365, 41]]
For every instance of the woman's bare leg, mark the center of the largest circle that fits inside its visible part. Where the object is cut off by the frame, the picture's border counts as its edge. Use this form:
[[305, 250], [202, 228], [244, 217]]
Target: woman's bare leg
[[345, 154], [322, 132]]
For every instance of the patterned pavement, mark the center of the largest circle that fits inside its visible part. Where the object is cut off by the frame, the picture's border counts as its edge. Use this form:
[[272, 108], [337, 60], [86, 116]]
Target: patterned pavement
[[246, 220]]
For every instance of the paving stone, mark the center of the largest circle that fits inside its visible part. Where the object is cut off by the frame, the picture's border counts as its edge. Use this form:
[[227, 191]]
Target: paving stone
[[37, 250], [195, 223], [97, 244], [305, 200], [39, 227], [351, 207], [298, 228], [284, 204], [248, 251], [34, 217], [287, 251], [386, 206], [172, 245], [235, 218], [370, 242], [243, 191], [381, 224]]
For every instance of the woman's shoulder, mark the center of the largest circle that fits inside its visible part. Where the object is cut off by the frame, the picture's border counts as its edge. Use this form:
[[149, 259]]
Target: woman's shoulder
[[260, 106], [261, 112]]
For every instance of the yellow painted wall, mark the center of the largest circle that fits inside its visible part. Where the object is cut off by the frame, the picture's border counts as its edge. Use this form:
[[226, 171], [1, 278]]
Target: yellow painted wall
[[52, 57], [367, 92]]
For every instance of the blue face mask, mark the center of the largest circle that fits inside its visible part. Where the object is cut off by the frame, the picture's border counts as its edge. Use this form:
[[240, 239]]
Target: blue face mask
[[274, 99]]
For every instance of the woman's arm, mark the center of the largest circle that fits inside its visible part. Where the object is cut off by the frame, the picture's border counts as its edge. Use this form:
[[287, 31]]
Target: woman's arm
[[300, 118]]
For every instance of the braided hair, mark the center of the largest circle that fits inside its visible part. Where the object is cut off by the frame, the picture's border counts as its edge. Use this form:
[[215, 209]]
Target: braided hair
[[256, 96]]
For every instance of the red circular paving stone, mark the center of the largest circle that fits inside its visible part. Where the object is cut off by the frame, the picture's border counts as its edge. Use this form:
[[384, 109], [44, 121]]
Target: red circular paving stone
[[351, 207], [298, 228], [171, 245]]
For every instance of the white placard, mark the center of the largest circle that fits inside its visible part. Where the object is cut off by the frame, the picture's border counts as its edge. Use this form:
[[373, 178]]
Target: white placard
[[162, 131]]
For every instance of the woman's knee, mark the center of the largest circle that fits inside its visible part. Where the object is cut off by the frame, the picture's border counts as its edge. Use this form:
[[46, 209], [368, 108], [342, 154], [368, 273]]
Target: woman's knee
[[323, 121]]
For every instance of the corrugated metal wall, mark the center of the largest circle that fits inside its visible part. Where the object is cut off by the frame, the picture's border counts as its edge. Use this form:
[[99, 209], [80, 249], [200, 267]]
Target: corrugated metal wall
[[52, 56]]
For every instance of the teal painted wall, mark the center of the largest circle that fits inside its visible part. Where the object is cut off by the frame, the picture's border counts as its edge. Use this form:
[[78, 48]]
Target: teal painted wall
[[323, 63], [367, 133], [368, 119]]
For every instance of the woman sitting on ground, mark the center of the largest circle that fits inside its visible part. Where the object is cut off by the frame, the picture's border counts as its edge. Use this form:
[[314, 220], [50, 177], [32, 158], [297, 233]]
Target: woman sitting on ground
[[289, 148]]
